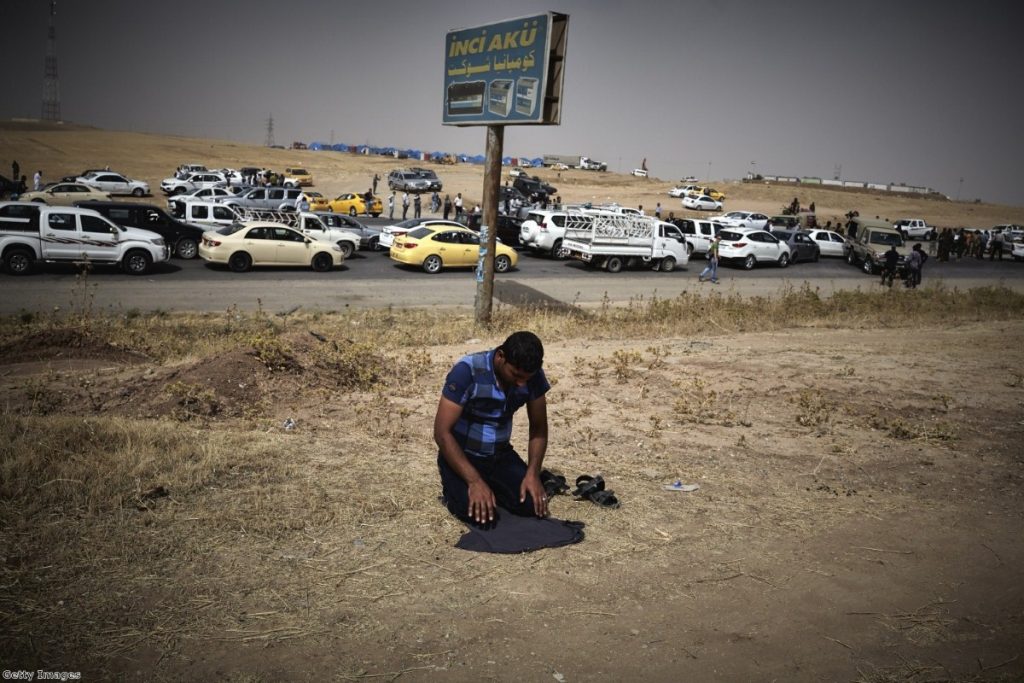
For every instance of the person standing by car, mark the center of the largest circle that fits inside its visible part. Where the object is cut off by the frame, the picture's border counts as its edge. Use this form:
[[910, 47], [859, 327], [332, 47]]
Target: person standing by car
[[712, 267], [417, 206], [479, 469], [997, 246], [458, 206], [15, 169], [891, 260], [405, 205], [391, 205], [915, 262], [37, 181], [368, 200], [447, 206], [376, 179]]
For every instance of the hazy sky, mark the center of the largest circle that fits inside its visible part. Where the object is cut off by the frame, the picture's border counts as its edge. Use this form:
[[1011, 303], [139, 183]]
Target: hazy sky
[[924, 93]]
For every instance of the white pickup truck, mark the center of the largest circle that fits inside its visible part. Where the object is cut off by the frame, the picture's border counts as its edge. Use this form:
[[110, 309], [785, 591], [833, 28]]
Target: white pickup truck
[[309, 224], [615, 241], [913, 228], [30, 233]]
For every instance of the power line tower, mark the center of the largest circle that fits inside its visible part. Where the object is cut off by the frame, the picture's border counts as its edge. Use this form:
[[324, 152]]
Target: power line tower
[[51, 85], [270, 132]]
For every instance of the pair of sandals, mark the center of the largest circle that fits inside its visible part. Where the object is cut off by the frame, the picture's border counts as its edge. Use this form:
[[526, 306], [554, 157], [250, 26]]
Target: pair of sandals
[[587, 488]]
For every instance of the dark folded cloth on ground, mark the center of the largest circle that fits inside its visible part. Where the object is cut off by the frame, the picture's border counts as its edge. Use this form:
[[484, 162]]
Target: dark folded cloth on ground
[[510, 533]]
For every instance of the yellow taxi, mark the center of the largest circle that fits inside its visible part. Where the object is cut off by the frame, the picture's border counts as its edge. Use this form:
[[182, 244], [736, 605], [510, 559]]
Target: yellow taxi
[[435, 248], [708, 191], [355, 204], [295, 176], [317, 202]]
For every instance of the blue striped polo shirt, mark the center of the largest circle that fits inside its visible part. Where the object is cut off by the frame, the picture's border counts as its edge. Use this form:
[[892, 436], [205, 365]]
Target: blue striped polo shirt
[[485, 426]]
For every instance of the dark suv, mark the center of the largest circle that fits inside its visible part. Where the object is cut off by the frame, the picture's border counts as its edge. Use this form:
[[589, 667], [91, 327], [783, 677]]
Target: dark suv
[[533, 187], [182, 238]]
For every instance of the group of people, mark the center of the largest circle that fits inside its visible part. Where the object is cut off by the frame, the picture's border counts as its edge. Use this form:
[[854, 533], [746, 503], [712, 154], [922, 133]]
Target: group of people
[[956, 244], [21, 181]]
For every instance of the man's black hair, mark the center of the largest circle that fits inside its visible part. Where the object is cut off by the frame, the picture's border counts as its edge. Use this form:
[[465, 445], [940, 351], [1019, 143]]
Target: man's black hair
[[523, 350]]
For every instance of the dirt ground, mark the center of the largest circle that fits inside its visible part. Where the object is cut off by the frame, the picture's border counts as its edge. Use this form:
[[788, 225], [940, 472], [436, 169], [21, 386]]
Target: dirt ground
[[858, 518]]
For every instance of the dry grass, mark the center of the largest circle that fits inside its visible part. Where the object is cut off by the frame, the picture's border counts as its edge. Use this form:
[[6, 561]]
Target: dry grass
[[130, 536]]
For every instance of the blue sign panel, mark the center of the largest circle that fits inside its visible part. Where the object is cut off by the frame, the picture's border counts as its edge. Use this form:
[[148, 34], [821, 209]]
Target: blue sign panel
[[497, 73]]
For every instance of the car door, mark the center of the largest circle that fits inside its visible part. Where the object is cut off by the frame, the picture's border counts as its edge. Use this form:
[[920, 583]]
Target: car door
[[113, 183], [290, 247], [672, 242], [766, 247], [449, 246], [60, 238], [260, 245], [99, 238]]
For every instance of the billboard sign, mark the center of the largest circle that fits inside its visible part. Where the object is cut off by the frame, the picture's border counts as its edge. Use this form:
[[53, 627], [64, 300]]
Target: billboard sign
[[509, 72]]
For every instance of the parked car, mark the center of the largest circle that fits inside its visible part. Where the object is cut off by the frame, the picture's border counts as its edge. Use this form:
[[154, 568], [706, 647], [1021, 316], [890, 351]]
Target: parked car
[[208, 193], [751, 247], [709, 191], [182, 238], [433, 182], [743, 219], [390, 232], [1018, 251], [698, 233], [508, 227], [679, 191], [205, 213], [829, 243], [115, 183], [316, 201], [701, 203], [192, 181], [801, 246], [434, 248], [65, 194], [517, 172], [243, 245], [533, 187], [273, 198], [369, 236], [355, 204], [406, 180], [543, 231], [639, 172], [913, 228], [296, 176]]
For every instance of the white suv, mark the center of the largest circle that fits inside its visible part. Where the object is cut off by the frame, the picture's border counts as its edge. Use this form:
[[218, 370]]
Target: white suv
[[194, 181], [543, 231]]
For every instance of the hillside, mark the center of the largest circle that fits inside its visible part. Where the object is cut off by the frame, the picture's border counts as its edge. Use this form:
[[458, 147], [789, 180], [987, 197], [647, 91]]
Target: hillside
[[66, 149]]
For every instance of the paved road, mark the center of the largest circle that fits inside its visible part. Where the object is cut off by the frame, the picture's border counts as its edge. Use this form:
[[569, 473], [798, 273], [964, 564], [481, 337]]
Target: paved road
[[371, 279]]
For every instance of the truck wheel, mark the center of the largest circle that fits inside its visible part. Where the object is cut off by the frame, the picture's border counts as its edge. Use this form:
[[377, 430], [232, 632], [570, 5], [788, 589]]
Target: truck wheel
[[502, 264], [869, 267], [749, 262], [346, 248], [322, 262], [186, 248], [556, 251], [240, 262], [136, 262], [19, 261], [432, 264], [137, 192], [613, 264], [668, 264]]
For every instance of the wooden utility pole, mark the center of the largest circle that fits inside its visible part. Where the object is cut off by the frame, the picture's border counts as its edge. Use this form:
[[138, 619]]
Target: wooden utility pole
[[488, 236]]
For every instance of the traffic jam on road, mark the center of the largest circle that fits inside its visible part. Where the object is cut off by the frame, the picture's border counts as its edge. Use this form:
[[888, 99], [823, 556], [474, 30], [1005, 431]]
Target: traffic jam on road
[[241, 219]]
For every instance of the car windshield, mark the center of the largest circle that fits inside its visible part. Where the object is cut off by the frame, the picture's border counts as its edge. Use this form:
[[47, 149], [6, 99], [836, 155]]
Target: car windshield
[[886, 238], [420, 232], [299, 171], [409, 224], [231, 229]]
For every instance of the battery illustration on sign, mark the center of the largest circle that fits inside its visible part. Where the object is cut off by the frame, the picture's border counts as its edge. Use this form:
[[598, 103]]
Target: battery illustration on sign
[[466, 98], [499, 100], [526, 96]]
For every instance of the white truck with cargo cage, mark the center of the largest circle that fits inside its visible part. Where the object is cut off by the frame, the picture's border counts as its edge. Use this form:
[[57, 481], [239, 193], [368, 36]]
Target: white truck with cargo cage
[[616, 241]]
